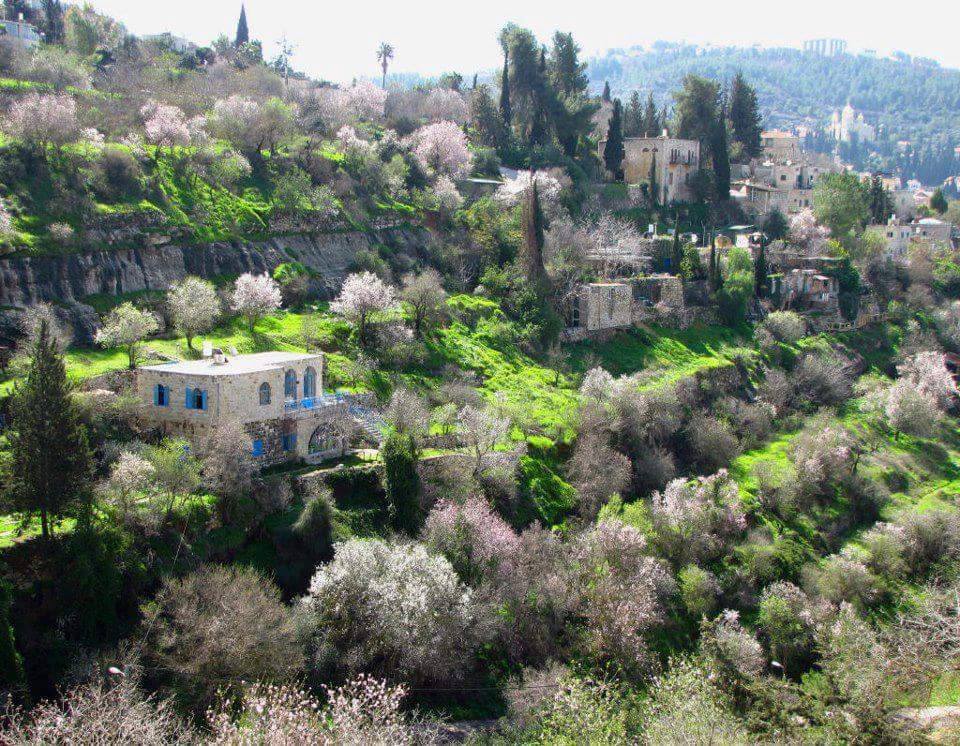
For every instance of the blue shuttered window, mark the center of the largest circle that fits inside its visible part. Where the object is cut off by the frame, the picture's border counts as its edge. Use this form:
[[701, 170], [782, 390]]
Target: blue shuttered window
[[258, 448], [289, 442]]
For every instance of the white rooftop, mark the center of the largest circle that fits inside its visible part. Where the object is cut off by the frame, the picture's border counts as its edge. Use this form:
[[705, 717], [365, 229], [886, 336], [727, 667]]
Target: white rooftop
[[234, 365]]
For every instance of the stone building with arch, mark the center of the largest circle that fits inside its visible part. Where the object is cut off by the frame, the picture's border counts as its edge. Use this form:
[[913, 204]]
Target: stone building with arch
[[276, 396]]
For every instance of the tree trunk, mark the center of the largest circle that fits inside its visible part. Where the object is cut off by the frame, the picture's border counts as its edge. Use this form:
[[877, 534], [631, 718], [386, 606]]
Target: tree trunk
[[44, 524]]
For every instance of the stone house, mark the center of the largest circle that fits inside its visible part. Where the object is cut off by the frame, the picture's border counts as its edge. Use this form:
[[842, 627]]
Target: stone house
[[20, 31], [603, 305], [276, 396], [806, 289], [897, 234], [675, 162]]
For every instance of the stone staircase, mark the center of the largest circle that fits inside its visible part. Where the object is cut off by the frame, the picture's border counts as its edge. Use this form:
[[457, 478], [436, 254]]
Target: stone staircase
[[369, 420]]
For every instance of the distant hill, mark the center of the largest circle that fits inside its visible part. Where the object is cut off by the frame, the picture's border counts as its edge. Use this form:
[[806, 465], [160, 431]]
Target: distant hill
[[910, 99]]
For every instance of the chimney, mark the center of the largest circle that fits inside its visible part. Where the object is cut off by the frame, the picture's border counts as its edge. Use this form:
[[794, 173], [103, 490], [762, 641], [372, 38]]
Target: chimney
[[665, 133]]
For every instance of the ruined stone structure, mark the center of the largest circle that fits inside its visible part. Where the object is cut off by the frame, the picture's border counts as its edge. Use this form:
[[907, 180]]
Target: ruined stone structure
[[276, 396], [674, 163]]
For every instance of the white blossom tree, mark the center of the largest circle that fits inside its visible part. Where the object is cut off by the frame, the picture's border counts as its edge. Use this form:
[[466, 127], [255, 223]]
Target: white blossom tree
[[441, 148], [445, 104], [480, 430], [928, 373], [425, 296], [807, 234], [165, 126], [362, 295], [194, 307], [911, 410], [393, 606], [44, 119], [446, 194], [127, 326], [255, 296]]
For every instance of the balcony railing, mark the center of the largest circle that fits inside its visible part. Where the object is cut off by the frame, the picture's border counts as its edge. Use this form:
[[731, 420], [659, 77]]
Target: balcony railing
[[314, 402]]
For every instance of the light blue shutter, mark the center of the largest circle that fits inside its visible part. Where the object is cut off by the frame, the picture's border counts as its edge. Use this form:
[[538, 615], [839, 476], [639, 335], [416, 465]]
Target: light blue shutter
[[188, 401], [203, 400]]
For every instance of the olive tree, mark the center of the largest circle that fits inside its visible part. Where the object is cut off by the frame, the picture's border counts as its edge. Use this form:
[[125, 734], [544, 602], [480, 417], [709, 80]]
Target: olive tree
[[127, 326]]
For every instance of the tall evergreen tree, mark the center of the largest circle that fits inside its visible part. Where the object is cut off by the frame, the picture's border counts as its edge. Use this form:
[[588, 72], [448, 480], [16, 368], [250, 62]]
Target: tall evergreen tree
[[745, 116], [760, 269], [676, 252], [713, 271], [53, 21], [568, 75], [720, 156], [653, 187], [243, 32], [938, 202], [606, 92], [400, 459], [651, 119], [881, 206], [51, 464], [613, 150], [533, 235], [633, 117], [505, 109]]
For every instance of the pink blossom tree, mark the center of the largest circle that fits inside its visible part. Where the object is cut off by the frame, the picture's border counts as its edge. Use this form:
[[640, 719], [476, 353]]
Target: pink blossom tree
[[362, 295], [367, 101], [441, 148], [255, 296], [695, 521], [477, 541], [44, 119], [445, 104]]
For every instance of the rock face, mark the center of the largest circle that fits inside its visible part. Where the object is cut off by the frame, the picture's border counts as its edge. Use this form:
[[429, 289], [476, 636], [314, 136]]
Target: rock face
[[25, 281]]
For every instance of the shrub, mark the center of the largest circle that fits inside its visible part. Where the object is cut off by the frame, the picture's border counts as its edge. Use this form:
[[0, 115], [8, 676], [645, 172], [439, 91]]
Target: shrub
[[222, 623], [823, 380], [712, 445], [930, 538], [842, 578], [581, 711], [781, 326], [788, 620], [118, 175], [391, 609], [699, 590]]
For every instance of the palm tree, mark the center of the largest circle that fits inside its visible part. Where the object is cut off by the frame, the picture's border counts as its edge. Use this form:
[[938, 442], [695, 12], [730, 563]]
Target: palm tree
[[384, 55]]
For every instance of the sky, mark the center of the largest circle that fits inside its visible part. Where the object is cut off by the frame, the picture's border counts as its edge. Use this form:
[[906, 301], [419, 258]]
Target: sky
[[337, 40]]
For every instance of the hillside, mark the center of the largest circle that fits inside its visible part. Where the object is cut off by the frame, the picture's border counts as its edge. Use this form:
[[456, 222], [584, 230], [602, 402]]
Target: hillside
[[910, 100]]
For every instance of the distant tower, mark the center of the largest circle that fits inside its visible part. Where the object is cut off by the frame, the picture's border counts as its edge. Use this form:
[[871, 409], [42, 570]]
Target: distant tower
[[243, 32]]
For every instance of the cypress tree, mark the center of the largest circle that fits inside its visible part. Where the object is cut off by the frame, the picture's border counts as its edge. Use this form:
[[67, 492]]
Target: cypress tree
[[505, 111], [676, 253], [474, 81], [721, 156], [712, 270], [760, 269], [533, 235], [633, 117], [243, 32], [606, 92], [400, 458], [651, 120], [613, 151], [654, 187], [51, 463]]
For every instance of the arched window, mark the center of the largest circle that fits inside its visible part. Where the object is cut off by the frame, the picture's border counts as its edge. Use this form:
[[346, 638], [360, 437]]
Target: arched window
[[309, 383], [290, 385], [195, 399], [264, 394], [323, 439]]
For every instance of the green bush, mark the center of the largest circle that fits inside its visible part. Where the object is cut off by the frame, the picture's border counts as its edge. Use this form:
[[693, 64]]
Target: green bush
[[399, 455]]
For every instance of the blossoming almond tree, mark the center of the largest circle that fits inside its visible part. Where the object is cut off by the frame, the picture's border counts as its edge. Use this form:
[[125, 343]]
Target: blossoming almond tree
[[362, 295], [194, 307], [165, 126], [255, 296], [441, 148], [42, 120], [127, 326]]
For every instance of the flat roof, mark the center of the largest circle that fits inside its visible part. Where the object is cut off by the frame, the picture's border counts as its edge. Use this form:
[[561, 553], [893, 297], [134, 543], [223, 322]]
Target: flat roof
[[236, 364]]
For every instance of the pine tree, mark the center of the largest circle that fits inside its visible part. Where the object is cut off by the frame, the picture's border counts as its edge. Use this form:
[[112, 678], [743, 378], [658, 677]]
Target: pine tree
[[51, 464], [721, 156], [745, 116], [880, 203], [613, 150], [243, 32], [533, 235], [938, 202], [505, 110], [53, 29], [606, 92]]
